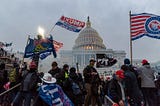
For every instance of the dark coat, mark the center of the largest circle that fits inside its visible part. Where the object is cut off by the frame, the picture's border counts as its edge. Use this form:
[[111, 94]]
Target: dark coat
[[88, 78], [33, 81], [53, 72], [114, 90], [131, 86]]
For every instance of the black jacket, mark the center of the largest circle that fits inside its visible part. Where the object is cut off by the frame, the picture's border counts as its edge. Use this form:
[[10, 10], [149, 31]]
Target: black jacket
[[32, 81], [131, 86], [114, 90], [88, 78], [54, 72]]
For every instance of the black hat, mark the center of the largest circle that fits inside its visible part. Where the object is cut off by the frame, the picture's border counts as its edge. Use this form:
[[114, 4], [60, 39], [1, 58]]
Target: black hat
[[92, 60]]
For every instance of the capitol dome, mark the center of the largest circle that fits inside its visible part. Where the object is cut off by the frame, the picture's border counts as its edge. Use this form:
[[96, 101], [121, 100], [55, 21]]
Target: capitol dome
[[89, 39]]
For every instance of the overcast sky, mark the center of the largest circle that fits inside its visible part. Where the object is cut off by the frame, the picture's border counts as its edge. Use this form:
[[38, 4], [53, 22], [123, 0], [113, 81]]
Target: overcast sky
[[19, 18]]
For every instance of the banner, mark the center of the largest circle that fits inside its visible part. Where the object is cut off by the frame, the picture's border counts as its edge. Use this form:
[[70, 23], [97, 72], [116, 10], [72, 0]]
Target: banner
[[53, 95], [104, 61], [70, 24], [36, 46], [145, 24]]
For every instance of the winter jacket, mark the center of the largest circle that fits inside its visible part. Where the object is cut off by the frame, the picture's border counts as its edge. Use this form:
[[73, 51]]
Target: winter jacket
[[147, 76], [131, 86], [29, 81], [114, 90]]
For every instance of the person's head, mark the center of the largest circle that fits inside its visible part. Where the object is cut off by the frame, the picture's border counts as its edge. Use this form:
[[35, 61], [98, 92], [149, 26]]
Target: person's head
[[54, 65], [66, 67], [72, 70], [48, 79], [145, 62], [125, 67], [32, 65], [127, 61], [92, 62], [119, 75]]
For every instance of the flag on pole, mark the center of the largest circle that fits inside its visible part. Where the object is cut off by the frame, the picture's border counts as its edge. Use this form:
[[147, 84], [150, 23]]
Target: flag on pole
[[57, 45], [70, 24], [145, 24], [41, 46]]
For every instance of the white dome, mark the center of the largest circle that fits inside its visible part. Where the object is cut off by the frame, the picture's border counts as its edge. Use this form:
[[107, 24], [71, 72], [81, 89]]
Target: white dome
[[89, 39]]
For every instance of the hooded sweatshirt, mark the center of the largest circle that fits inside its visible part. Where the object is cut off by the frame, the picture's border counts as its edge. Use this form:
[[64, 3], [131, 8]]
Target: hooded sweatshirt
[[147, 76]]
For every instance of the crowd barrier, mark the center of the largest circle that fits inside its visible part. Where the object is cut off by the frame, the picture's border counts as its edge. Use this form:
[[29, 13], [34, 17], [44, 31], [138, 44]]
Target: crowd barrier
[[109, 102], [10, 89]]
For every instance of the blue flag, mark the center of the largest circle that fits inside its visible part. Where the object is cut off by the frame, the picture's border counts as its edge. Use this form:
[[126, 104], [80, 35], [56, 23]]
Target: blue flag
[[36, 46], [44, 55], [53, 95]]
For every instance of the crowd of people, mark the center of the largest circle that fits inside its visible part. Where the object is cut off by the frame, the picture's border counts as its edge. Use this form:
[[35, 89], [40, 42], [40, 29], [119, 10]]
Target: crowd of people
[[66, 86]]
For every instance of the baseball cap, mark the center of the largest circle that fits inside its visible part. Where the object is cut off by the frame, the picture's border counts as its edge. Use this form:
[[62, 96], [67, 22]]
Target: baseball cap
[[32, 65], [144, 61], [120, 73]]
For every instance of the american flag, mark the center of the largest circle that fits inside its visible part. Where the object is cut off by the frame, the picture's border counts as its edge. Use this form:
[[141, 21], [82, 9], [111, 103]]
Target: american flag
[[138, 28], [57, 45]]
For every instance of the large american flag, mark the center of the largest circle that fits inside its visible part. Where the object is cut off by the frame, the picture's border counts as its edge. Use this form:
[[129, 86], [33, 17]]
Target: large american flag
[[139, 27]]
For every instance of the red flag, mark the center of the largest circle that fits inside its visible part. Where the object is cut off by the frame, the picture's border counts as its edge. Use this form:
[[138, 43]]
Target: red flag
[[57, 45]]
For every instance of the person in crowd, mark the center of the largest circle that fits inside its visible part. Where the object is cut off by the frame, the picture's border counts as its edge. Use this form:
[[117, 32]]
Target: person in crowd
[[92, 81], [51, 94], [146, 73], [3, 80], [55, 69], [132, 91], [133, 69], [27, 87], [116, 88], [102, 89], [76, 78], [64, 81], [63, 77], [3, 75]]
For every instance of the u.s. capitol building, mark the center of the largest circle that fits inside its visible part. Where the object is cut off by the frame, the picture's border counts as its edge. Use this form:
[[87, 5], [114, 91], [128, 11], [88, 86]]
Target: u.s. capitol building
[[87, 45]]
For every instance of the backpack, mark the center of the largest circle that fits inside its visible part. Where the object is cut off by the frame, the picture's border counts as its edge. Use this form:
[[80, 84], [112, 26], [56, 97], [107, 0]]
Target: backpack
[[75, 88]]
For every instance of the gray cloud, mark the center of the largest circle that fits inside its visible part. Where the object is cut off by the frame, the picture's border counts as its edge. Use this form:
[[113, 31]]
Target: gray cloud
[[109, 17]]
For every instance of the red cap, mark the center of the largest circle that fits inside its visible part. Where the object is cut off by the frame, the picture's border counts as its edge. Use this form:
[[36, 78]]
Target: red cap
[[144, 61], [120, 73], [32, 65]]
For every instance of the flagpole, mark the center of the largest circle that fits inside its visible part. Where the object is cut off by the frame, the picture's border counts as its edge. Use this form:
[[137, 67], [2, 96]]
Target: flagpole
[[52, 29], [130, 39], [25, 46]]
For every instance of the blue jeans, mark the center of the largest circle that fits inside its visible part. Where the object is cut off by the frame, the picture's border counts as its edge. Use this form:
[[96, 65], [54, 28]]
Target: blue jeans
[[26, 96]]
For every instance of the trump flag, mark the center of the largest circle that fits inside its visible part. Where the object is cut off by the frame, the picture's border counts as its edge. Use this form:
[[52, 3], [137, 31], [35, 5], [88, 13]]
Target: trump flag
[[70, 24], [42, 46], [145, 24]]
